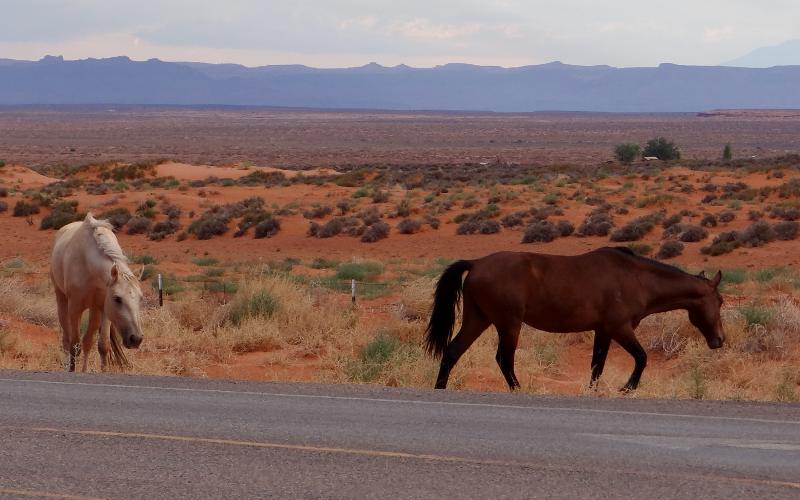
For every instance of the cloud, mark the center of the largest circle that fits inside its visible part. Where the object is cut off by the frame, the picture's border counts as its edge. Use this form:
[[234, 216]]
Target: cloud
[[716, 35], [423, 29]]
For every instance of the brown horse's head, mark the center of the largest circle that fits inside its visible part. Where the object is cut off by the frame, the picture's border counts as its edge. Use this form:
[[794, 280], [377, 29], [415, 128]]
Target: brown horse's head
[[706, 314], [123, 298]]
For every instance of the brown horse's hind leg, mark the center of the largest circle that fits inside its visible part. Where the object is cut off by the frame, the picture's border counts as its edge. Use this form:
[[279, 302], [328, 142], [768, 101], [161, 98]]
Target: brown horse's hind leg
[[627, 340], [599, 354], [506, 348], [474, 323]]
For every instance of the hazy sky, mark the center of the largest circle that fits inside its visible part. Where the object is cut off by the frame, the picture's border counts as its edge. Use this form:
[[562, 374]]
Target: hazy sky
[[415, 32]]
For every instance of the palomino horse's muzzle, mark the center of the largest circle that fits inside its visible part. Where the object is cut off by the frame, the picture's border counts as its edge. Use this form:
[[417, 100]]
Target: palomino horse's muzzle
[[132, 341]]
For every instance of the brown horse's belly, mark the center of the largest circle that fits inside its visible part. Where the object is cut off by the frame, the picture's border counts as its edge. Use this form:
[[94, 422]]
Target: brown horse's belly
[[562, 318]]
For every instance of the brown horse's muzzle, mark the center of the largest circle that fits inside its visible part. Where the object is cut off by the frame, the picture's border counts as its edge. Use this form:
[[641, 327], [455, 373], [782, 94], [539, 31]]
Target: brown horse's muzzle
[[715, 343]]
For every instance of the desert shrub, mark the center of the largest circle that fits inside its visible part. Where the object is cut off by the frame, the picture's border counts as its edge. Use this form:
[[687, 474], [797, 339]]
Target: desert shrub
[[379, 196], [708, 198], [369, 216], [709, 220], [786, 230], [513, 219], [478, 226], [403, 209], [163, 229], [267, 228], [669, 249], [540, 232], [671, 221], [727, 153], [259, 177], [170, 210], [757, 234], [691, 234], [723, 243], [626, 153], [335, 226], [755, 215], [408, 226], [662, 149], [726, 216], [317, 212], [640, 248], [139, 225], [3, 206], [182, 236], [621, 211], [635, 230], [23, 209], [3, 192], [565, 228], [785, 213], [250, 218], [433, 222], [61, 214], [118, 217], [597, 223], [375, 232], [98, 188], [207, 226], [344, 206]]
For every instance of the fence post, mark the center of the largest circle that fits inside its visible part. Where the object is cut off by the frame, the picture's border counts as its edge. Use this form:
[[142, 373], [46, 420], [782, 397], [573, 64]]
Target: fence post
[[160, 291], [353, 290]]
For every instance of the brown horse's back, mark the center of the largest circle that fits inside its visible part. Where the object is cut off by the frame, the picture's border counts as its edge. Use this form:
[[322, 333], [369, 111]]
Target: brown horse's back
[[552, 292]]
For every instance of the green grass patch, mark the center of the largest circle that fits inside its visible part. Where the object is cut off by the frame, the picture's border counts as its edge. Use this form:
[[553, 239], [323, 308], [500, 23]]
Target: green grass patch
[[260, 304], [373, 358], [755, 314], [359, 271], [144, 259], [205, 261], [320, 263], [768, 274]]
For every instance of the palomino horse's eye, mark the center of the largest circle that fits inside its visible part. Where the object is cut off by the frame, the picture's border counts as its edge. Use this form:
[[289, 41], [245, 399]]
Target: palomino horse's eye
[[118, 299]]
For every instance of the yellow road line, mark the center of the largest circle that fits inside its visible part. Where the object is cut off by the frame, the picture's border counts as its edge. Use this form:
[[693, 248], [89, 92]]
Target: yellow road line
[[404, 455], [44, 494]]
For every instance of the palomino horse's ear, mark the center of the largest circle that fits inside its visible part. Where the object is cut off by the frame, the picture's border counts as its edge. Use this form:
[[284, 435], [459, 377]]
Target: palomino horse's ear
[[114, 273], [717, 278], [141, 273], [701, 274]]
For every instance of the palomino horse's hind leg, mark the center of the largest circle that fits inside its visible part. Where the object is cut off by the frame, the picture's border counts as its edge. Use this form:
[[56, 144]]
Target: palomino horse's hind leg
[[506, 349], [473, 324], [63, 320], [89, 336], [602, 342], [627, 340]]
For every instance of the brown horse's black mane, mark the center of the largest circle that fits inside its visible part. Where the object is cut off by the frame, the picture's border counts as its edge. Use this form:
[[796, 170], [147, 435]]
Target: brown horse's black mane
[[666, 267]]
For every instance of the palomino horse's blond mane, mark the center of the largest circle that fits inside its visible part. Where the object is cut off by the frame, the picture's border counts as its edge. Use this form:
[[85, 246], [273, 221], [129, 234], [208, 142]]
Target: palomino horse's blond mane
[[103, 233]]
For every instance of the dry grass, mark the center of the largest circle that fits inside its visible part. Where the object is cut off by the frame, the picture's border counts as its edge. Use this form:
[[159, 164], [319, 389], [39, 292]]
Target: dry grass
[[304, 326]]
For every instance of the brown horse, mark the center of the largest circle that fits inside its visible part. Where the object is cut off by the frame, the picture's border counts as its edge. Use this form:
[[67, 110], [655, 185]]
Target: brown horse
[[609, 290]]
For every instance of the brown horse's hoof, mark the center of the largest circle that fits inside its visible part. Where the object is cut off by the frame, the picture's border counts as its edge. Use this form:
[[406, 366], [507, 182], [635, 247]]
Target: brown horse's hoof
[[626, 390]]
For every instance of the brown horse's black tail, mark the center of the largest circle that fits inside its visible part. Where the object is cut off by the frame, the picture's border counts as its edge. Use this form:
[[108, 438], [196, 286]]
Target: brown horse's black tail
[[445, 303]]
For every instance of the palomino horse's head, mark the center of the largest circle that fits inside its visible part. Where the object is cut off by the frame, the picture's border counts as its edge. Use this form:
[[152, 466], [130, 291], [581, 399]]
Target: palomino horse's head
[[706, 314], [123, 298]]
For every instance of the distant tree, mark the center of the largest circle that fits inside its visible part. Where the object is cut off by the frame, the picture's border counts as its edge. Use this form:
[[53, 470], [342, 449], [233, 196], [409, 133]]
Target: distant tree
[[727, 153], [626, 153], [662, 149]]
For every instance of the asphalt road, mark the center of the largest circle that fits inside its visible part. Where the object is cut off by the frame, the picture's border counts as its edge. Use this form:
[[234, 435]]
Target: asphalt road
[[79, 436]]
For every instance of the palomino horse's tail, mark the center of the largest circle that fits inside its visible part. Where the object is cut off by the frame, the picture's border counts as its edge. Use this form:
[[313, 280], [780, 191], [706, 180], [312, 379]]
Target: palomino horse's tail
[[445, 303], [118, 359]]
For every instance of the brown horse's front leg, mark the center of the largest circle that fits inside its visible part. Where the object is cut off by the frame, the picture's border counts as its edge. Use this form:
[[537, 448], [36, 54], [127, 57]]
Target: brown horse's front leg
[[628, 341], [602, 341]]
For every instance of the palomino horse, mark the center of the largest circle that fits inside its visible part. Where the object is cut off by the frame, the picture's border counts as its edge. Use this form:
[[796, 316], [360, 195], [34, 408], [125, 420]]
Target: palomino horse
[[609, 290], [89, 271]]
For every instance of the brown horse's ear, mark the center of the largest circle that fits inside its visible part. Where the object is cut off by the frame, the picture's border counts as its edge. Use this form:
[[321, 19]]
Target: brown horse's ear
[[717, 278], [701, 274], [114, 274]]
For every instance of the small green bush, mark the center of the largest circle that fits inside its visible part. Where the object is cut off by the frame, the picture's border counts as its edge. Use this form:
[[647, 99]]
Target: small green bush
[[626, 153], [260, 304]]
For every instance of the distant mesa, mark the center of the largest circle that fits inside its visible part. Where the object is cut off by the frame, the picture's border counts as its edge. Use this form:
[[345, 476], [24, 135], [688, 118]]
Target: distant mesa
[[553, 86]]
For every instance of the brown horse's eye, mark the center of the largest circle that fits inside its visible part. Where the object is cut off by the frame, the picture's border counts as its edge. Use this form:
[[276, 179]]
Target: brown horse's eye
[[118, 299]]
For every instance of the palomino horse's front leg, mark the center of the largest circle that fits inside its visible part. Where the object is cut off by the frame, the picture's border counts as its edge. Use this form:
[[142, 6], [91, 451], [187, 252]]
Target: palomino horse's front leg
[[102, 341], [89, 336], [71, 339]]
